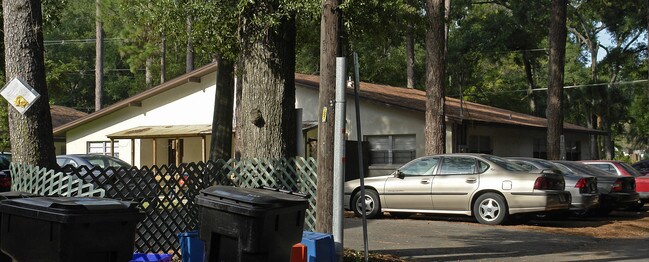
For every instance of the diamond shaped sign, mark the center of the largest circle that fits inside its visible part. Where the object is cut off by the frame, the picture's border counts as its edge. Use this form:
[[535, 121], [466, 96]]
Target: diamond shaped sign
[[19, 94]]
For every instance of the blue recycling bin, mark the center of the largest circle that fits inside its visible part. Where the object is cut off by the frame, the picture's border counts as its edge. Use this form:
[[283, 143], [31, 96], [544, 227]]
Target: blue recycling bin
[[149, 257], [192, 248], [319, 247]]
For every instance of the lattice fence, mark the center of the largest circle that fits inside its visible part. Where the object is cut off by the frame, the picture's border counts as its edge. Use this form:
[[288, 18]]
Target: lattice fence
[[167, 193]]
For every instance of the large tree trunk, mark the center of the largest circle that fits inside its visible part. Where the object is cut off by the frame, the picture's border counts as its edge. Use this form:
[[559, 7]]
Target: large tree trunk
[[99, 56], [30, 134], [221, 147], [558, 34], [435, 72], [329, 44], [268, 85]]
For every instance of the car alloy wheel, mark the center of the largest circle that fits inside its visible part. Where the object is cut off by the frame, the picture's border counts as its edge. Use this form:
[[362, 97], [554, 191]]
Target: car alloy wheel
[[372, 204], [490, 209]]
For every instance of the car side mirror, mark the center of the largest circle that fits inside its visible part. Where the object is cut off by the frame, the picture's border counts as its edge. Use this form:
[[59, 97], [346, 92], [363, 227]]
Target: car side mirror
[[399, 174]]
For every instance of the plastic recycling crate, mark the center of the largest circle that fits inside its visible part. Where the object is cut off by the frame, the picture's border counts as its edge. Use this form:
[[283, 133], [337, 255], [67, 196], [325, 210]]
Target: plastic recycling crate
[[142, 257], [246, 224], [319, 247], [68, 229], [192, 248]]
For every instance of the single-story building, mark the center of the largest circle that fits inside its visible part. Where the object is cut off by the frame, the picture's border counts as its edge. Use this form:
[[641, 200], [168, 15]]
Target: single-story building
[[171, 123]]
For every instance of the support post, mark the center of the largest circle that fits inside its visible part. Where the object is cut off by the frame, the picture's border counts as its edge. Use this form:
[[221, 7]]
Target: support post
[[132, 151], [339, 156], [155, 151]]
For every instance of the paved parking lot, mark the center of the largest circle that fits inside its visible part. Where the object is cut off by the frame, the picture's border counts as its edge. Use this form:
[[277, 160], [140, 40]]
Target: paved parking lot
[[621, 236]]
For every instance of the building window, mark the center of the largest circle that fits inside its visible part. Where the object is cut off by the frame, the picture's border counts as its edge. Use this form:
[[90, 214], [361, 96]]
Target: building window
[[540, 149], [392, 149], [572, 148], [480, 144], [100, 148]]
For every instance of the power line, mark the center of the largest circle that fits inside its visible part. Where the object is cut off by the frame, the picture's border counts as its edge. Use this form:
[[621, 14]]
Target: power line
[[568, 87], [79, 41]]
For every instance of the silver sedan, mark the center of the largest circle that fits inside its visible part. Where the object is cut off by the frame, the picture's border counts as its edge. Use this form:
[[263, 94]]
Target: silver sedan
[[487, 187]]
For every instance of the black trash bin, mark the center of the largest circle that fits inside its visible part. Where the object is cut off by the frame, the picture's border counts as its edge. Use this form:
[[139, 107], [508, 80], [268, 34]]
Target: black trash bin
[[13, 195], [246, 224], [68, 229]]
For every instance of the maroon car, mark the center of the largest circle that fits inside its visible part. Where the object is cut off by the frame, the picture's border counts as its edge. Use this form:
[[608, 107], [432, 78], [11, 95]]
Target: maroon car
[[620, 168]]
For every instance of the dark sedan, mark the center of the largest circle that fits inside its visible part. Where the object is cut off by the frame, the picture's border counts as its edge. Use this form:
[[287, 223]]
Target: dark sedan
[[615, 192], [118, 178]]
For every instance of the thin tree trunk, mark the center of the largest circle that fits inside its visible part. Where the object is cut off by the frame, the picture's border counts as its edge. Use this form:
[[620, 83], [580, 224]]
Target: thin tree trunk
[[148, 73], [163, 58], [189, 62], [329, 45], [410, 56], [99, 56], [221, 147], [530, 81], [30, 134], [435, 72], [268, 85], [558, 34]]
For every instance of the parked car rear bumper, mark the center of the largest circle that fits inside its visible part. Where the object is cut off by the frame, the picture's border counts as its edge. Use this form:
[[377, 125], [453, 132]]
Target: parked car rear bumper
[[619, 200], [644, 197], [584, 202], [539, 201]]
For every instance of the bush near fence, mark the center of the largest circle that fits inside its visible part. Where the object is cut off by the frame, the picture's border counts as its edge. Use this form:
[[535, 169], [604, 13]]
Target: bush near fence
[[167, 193]]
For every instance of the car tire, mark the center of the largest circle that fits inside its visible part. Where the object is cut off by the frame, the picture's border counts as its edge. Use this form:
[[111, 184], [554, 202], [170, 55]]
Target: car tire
[[490, 209], [400, 214], [639, 207], [372, 204]]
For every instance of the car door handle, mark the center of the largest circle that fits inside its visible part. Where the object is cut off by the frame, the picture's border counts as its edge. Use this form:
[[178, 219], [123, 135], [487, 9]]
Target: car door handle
[[471, 180], [425, 181]]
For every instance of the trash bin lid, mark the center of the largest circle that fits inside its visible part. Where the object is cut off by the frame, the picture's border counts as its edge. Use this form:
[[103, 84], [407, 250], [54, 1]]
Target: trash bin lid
[[256, 196], [70, 209], [16, 194]]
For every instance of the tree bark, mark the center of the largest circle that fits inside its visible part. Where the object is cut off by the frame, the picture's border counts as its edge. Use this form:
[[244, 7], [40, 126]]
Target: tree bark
[[435, 73], [329, 44], [221, 147], [30, 134], [558, 34], [99, 56], [268, 85]]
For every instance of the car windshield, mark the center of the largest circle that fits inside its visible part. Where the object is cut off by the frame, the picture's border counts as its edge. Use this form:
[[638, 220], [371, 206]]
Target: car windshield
[[586, 169], [504, 163], [632, 171], [105, 161]]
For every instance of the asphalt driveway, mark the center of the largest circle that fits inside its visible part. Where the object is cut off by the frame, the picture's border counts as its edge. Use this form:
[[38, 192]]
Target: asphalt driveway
[[460, 239]]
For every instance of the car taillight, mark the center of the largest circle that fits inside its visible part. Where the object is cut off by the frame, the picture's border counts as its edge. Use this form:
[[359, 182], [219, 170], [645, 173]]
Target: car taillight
[[617, 186], [5, 182], [582, 183], [545, 183]]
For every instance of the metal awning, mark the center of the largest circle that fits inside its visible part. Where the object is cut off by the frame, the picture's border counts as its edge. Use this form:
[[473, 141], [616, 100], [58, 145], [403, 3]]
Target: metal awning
[[175, 131]]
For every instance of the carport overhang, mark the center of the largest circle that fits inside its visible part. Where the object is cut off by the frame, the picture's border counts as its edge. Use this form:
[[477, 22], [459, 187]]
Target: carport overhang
[[175, 132]]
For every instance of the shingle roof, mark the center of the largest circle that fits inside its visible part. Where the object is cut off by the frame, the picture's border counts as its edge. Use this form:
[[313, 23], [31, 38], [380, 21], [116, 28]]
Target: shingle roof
[[415, 99], [62, 115]]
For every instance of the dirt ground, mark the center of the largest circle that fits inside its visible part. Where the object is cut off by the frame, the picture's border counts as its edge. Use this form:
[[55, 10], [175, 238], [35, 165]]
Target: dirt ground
[[618, 224]]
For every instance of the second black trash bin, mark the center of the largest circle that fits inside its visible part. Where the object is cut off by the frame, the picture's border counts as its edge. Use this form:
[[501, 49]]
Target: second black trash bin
[[68, 229], [246, 224]]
